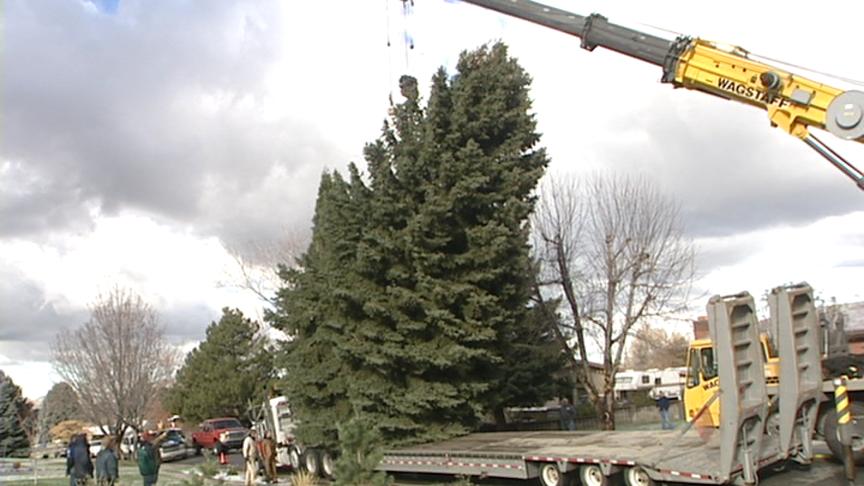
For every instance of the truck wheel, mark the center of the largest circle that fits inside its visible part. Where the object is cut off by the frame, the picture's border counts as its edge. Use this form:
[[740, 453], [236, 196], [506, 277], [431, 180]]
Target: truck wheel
[[832, 436], [311, 463], [550, 475], [326, 464], [197, 448], [591, 475], [294, 458], [636, 476]]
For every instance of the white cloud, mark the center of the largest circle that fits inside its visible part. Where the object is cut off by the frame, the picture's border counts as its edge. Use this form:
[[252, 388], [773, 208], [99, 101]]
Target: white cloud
[[183, 125], [827, 254], [34, 377]]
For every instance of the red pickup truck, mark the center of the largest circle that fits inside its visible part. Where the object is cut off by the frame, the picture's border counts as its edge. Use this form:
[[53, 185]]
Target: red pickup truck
[[229, 431]]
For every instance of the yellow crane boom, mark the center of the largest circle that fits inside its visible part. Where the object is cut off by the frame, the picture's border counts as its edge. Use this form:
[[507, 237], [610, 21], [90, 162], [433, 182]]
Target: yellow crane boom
[[794, 103]]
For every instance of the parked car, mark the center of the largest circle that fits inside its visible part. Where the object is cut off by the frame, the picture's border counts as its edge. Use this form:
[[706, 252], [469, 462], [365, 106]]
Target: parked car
[[227, 430], [129, 444], [95, 445], [175, 446], [48, 451]]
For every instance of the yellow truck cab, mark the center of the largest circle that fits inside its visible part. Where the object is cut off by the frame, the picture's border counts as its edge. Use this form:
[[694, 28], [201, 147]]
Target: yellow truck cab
[[701, 381]]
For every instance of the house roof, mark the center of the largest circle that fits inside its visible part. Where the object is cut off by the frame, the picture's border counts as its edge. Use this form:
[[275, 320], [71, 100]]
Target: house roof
[[854, 314], [591, 364]]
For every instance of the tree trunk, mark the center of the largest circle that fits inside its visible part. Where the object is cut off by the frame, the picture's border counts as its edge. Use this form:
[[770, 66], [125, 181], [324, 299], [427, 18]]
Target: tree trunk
[[500, 418], [608, 411]]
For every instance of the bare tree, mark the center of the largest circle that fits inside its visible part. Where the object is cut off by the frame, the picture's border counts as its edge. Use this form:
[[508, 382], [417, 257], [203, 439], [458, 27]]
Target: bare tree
[[257, 264], [117, 361], [654, 347], [612, 251]]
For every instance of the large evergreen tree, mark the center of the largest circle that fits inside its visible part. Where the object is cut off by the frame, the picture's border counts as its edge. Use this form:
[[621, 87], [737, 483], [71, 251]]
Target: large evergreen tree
[[411, 303], [447, 256], [14, 412], [313, 308], [227, 372], [60, 404]]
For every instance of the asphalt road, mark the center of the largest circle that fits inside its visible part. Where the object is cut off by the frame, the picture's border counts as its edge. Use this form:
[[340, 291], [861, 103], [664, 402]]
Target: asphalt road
[[823, 472]]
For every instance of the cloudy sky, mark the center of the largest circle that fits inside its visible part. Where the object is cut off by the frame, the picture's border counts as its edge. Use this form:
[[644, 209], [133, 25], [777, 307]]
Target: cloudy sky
[[140, 139]]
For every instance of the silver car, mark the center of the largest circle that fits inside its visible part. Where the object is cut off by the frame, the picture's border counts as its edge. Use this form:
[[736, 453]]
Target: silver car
[[174, 447]]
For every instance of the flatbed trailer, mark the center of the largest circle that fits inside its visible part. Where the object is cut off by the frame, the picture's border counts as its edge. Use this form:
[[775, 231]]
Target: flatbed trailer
[[754, 433], [526, 455]]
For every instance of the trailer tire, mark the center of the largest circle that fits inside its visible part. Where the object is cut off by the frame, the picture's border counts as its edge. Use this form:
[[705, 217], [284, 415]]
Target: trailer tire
[[832, 436], [592, 475], [311, 462], [550, 475], [636, 476], [327, 464]]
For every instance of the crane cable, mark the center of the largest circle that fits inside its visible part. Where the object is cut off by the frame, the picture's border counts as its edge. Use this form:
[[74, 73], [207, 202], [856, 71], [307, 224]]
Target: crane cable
[[389, 80], [407, 41]]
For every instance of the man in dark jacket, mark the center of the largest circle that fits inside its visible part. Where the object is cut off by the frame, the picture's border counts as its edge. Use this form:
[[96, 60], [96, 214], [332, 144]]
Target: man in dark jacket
[[107, 471], [148, 457], [79, 467], [663, 405], [568, 415]]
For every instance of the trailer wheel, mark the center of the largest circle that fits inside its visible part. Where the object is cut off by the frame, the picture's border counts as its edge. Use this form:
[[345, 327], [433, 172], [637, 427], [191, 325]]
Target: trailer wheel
[[311, 462], [550, 475], [636, 476], [591, 475], [832, 436], [327, 464]]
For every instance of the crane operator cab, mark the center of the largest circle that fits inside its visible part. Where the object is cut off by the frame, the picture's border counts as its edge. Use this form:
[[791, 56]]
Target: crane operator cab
[[702, 382]]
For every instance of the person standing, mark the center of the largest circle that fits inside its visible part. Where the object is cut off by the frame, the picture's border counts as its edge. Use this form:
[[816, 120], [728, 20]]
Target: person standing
[[663, 405], [268, 456], [250, 455], [79, 467], [148, 458], [568, 415], [222, 453], [107, 470]]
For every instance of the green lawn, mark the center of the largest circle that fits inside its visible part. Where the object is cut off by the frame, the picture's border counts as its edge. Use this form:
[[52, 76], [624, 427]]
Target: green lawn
[[52, 472]]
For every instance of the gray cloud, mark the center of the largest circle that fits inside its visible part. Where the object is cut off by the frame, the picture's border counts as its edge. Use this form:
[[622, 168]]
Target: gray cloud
[[159, 108], [711, 256], [154, 108], [731, 178], [186, 323], [30, 320]]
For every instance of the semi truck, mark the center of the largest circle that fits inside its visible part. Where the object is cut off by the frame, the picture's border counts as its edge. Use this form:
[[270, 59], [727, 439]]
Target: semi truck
[[274, 417], [756, 432]]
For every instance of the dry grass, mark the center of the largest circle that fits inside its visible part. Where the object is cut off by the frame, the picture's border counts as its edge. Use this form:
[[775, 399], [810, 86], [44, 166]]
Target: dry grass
[[303, 478]]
